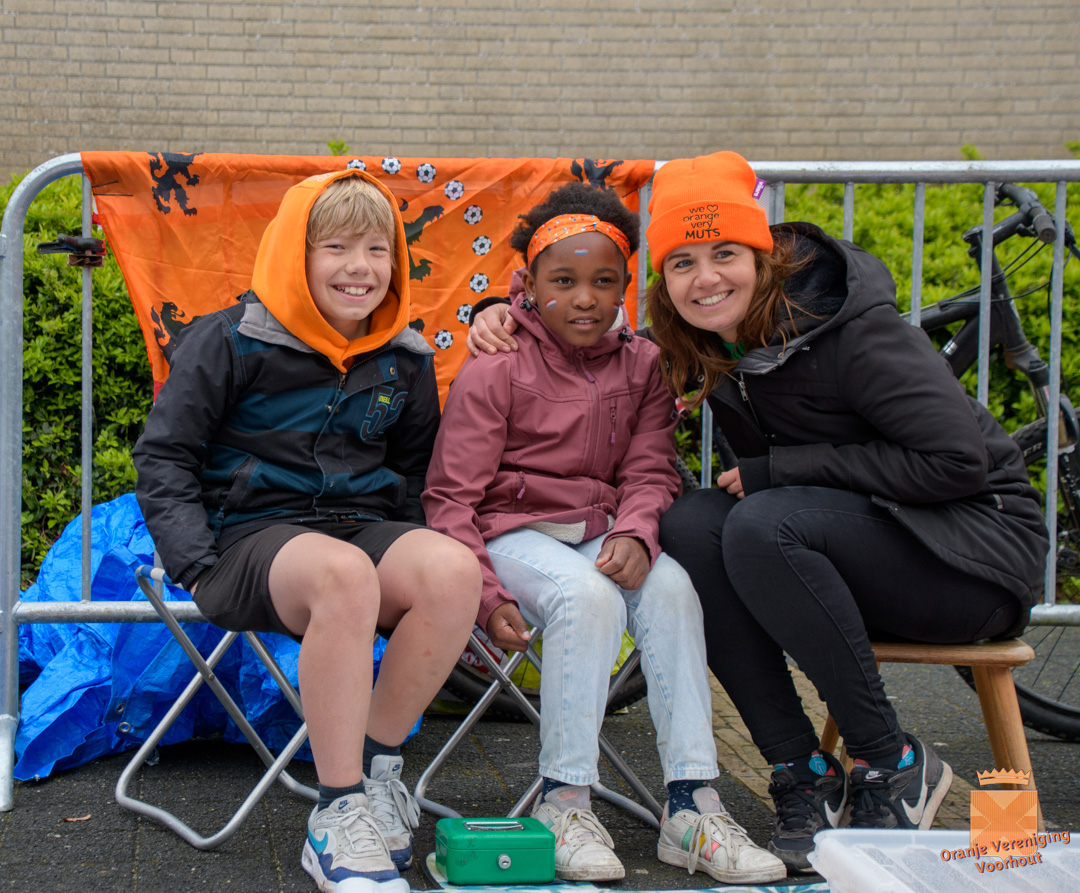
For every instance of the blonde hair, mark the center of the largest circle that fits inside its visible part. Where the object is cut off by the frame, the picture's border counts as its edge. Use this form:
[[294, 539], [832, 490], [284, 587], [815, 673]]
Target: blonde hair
[[354, 206], [694, 359]]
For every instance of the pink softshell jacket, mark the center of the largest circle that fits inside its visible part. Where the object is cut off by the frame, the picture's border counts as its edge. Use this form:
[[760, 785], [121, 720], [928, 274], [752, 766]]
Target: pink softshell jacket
[[577, 437]]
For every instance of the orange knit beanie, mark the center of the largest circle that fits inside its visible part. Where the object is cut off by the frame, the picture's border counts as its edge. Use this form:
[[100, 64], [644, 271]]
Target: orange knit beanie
[[705, 199]]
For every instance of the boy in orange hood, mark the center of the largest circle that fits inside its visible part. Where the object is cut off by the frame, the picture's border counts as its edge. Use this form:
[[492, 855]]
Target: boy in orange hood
[[280, 474]]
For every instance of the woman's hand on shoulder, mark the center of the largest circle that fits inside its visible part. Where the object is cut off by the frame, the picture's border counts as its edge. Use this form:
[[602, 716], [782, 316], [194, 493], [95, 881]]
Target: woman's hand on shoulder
[[492, 331], [624, 559]]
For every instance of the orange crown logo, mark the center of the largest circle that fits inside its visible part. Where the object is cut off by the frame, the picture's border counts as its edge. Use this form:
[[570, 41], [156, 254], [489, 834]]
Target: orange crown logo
[[1003, 776]]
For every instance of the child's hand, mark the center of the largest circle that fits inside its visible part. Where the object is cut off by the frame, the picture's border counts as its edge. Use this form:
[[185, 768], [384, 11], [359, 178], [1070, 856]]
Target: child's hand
[[624, 559], [731, 481], [507, 629], [491, 331]]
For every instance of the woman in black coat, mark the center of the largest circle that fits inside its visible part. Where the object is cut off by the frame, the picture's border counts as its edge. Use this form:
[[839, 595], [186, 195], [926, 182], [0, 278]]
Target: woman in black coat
[[872, 496]]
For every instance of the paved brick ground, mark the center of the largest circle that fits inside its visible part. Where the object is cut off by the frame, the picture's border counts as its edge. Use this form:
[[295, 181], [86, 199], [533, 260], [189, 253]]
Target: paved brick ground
[[68, 833]]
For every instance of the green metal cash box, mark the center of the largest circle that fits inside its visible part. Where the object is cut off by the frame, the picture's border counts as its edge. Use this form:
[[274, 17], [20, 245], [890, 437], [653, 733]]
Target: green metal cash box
[[494, 851]]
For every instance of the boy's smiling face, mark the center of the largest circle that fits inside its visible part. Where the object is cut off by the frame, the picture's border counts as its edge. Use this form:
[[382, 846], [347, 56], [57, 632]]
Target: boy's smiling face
[[348, 277], [578, 287]]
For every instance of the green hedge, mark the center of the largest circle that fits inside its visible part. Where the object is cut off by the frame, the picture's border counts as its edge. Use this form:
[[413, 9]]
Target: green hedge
[[123, 387]]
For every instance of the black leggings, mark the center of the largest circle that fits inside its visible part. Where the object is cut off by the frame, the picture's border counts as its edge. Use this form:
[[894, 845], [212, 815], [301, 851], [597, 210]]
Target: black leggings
[[816, 572]]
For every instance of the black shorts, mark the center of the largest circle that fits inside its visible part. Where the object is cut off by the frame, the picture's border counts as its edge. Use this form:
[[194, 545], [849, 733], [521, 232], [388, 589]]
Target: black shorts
[[234, 593]]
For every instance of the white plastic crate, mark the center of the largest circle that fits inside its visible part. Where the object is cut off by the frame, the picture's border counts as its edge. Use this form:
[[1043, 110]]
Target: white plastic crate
[[862, 861]]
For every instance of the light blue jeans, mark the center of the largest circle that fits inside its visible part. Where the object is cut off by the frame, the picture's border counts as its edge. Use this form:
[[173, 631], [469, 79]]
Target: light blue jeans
[[583, 614]]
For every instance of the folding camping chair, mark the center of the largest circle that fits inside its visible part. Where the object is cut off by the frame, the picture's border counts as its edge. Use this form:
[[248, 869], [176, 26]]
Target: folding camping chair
[[159, 210], [502, 672], [147, 577]]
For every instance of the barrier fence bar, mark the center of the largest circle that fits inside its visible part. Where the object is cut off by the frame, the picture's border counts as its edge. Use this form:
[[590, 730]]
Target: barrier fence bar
[[87, 335], [1053, 418], [982, 388], [917, 229], [14, 612]]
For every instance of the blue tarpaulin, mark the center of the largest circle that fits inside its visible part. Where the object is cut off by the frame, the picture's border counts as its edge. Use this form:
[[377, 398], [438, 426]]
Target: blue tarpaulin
[[87, 679]]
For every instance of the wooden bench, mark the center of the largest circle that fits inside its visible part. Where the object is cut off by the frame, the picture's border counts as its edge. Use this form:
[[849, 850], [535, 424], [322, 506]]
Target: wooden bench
[[991, 664]]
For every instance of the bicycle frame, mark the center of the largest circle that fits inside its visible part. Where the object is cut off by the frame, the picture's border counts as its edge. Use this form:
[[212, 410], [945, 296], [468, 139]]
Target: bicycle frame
[[1007, 330]]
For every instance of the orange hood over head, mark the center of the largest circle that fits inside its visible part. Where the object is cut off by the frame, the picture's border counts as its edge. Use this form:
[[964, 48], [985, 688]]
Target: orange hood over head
[[280, 276]]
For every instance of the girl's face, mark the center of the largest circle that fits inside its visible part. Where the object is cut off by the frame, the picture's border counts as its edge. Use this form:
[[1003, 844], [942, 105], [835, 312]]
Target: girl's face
[[578, 287], [712, 285]]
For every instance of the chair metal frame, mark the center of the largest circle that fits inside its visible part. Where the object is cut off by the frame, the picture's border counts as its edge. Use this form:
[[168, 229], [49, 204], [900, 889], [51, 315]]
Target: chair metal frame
[[501, 672], [147, 577]]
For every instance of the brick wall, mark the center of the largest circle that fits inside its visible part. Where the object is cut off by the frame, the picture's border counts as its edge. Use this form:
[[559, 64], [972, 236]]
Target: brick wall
[[774, 79]]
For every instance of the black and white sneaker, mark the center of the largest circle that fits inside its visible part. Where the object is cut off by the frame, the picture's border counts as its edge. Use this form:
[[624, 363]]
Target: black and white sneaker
[[804, 807], [907, 797]]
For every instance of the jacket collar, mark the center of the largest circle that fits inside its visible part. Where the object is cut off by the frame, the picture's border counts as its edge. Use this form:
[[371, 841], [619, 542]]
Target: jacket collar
[[838, 282]]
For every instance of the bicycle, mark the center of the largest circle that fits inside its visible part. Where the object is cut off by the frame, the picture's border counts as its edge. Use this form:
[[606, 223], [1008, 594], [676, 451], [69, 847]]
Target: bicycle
[[1048, 688]]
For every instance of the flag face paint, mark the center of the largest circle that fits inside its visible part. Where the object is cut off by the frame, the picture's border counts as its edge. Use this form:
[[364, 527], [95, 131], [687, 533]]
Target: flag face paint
[[185, 229]]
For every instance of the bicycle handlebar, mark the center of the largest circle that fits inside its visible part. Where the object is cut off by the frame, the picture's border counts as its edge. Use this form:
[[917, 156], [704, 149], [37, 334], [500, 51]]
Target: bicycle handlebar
[[1030, 217], [1042, 222]]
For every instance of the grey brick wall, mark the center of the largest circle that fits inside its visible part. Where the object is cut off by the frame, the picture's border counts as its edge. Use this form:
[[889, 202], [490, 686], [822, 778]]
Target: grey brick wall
[[774, 79]]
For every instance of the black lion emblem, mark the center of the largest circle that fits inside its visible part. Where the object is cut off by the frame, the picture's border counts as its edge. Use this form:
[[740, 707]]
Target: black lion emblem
[[166, 168], [595, 173], [418, 269], [168, 323]]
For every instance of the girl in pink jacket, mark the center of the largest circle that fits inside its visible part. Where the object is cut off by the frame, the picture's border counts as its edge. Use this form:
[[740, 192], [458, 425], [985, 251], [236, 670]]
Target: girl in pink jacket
[[554, 462]]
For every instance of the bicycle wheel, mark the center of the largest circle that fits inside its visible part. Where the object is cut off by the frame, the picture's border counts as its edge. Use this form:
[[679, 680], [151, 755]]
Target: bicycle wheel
[[1031, 439], [1048, 688]]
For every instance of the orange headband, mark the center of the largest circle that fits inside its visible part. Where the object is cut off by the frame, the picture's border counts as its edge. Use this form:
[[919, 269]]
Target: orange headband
[[558, 228]]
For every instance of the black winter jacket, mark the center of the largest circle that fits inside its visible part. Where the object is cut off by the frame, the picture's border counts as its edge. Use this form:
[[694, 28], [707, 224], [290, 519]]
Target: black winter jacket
[[856, 398], [254, 428]]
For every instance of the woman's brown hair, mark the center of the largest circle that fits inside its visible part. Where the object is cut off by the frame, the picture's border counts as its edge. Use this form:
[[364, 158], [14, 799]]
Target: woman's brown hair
[[693, 359]]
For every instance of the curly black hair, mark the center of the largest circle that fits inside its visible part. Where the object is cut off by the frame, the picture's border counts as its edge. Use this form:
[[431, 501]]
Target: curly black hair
[[576, 198]]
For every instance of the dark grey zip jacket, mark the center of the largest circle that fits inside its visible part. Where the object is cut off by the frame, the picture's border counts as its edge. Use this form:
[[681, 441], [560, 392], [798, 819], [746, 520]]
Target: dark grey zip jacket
[[254, 427], [857, 399]]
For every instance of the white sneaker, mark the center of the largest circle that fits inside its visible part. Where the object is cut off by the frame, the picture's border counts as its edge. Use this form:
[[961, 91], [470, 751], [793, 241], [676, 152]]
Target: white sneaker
[[393, 807], [714, 842], [584, 851], [345, 850]]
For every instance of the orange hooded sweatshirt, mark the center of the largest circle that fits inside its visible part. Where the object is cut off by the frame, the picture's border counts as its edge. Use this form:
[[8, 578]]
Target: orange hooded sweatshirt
[[280, 276]]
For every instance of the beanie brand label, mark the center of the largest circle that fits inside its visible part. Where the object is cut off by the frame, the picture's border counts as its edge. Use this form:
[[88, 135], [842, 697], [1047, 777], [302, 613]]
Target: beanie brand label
[[759, 187]]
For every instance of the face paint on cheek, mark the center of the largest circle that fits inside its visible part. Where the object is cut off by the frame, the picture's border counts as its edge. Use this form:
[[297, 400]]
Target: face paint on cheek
[[551, 305]]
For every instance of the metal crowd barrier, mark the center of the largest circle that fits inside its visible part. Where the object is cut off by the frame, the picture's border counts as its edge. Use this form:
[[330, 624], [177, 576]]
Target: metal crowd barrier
[[14, 612]]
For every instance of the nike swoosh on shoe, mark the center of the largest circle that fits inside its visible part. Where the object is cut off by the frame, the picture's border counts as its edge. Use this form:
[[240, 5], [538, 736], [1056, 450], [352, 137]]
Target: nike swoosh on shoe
[[914, 814]]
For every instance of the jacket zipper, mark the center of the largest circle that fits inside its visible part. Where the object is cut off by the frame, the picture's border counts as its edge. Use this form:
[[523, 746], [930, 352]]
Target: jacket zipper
[[746, 398], [591, 447]]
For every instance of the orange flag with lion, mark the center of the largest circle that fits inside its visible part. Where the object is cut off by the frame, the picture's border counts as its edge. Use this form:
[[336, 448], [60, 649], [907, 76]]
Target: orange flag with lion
[[185, 229]]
